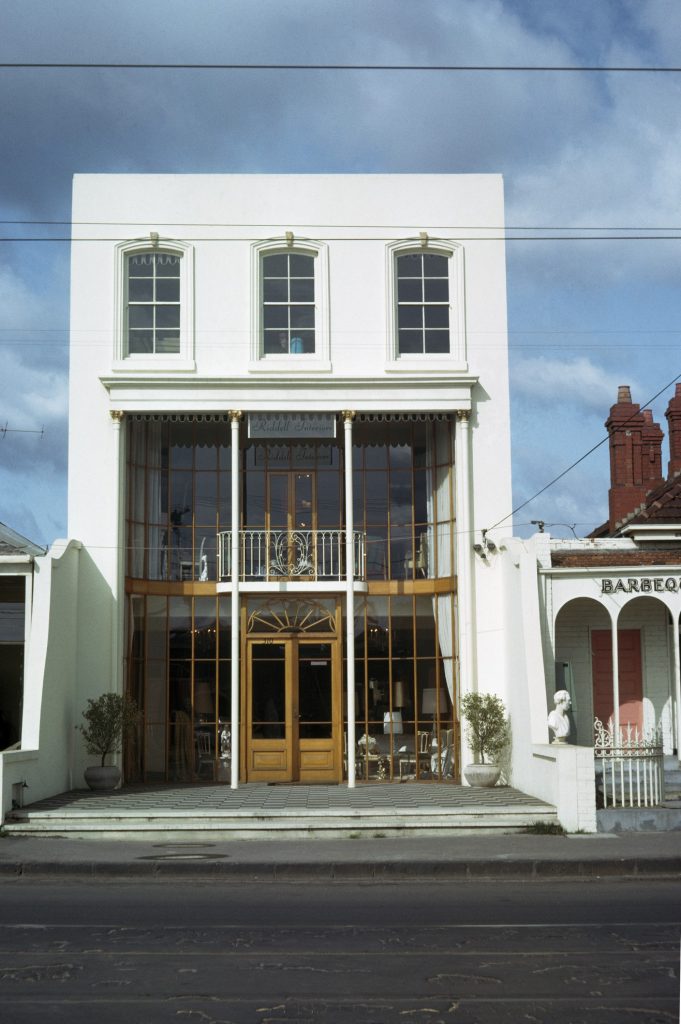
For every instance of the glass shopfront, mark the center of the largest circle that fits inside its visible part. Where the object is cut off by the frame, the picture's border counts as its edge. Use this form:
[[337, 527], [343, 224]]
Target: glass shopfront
[[292, 647]]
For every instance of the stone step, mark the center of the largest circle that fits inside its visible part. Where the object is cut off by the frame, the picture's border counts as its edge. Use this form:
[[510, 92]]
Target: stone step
[[245, 824]]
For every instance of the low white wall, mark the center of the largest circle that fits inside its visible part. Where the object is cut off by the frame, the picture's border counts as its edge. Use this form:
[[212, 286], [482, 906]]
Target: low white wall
[[563, 775], [45, 760]]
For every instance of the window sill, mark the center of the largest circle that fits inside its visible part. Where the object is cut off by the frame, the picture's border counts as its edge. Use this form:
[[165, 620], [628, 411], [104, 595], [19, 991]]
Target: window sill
[[155, 364], [292, 364], [426, 364]]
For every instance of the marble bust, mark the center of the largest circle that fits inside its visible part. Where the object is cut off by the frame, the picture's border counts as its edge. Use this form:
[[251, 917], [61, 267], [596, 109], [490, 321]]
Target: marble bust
[[558, 721]]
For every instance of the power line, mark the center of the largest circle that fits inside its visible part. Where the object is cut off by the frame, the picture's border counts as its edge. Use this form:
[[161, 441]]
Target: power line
[[414, 227], [464, 68], [368, 238], [582, 457]]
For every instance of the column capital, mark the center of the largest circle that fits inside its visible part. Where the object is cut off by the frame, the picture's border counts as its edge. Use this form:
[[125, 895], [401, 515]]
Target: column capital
[[463, 415], [117, 416], [348, 415], [235, 416]]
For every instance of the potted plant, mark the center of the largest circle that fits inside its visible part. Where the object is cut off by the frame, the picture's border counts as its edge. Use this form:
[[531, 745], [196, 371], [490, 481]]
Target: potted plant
[[107, 719], [487, 734]]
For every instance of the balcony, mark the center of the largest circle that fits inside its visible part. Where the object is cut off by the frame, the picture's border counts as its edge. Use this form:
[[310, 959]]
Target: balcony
[[272, 555]]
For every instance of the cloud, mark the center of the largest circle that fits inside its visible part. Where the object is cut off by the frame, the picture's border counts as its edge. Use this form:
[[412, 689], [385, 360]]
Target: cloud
[[575, 382]]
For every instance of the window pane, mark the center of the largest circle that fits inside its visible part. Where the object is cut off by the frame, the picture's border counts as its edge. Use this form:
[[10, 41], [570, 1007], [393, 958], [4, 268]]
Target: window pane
[[275, 265], [167, 316], [410, 289], [168, 290], [140, 289], [301, 266], [410, 342], [435, 266], [437, 341], [140, 342], [302, 290], [168, 342], [410, 316], [276, 342], [275, 289], [141, 265], [275, 316], [302, 316], [141, 316], [302, 341], [167, 265], [436, 316], [437, 289], [376, 497], [409, 265]]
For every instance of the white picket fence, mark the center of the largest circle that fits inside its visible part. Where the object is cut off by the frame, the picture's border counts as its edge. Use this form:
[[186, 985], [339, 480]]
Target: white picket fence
[[630, 765]]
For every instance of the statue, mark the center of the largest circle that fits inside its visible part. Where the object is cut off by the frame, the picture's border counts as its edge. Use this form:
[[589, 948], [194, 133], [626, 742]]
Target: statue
[[558, 721]]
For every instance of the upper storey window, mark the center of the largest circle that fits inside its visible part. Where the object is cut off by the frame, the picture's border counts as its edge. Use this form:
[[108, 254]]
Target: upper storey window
[[422, 303], [289, 305], [153, 303], [288, 294], [426, 317]]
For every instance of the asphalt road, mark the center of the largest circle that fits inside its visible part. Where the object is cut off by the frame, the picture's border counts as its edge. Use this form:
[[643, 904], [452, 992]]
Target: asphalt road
[[442, 953]]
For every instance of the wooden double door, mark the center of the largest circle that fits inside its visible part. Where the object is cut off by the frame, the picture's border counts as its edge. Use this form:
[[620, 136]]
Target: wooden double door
[[293, 714]]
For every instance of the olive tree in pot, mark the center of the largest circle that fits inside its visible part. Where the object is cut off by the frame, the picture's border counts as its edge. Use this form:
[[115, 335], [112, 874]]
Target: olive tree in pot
[[107, 719], [487, 734]]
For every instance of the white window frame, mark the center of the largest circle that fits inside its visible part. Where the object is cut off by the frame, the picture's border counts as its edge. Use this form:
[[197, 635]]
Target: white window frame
[[456, 357], [308, 362], [167, 361]]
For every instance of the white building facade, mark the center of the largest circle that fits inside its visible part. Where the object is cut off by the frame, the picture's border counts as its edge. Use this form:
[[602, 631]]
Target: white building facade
[[288, 412]]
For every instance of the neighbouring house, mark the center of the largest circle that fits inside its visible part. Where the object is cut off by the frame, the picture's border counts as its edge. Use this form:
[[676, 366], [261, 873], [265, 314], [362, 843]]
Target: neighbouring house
[[612, 601], [17, 555]]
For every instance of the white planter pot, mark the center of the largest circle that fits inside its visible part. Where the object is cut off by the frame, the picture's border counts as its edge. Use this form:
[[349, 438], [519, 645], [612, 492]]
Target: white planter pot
[[482, 774], [104, 777]]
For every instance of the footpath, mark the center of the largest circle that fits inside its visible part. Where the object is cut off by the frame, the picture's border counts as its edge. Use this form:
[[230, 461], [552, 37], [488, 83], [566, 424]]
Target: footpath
[[460, 857]]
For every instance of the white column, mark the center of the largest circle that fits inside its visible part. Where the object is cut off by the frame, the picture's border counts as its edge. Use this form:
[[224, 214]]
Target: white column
[[118, 557], [615, 681], [677, 685], [348, 417], [465, 568], [235, 420]]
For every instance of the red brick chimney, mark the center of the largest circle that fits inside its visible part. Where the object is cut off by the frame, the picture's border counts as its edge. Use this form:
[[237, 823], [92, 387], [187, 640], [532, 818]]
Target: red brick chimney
[[673, 415], [635, 455]]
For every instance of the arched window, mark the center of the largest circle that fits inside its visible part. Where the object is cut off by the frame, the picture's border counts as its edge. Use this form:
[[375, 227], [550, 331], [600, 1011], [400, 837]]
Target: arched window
[[288, 297], [154, 301], [290, 304], [426, 320], [422, 303]]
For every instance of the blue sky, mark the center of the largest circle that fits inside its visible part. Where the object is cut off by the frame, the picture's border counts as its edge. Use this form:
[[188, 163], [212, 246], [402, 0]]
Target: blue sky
[[580, 150]]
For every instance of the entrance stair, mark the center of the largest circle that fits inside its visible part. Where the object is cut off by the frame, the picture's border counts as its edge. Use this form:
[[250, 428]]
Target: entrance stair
[[261, 811]]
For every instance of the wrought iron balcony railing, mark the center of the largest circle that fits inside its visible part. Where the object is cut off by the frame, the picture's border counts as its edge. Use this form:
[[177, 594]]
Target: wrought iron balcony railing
[[267, 555]]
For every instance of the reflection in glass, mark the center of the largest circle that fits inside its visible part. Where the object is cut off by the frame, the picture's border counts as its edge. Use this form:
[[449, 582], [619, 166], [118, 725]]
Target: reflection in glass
[[268, 692]]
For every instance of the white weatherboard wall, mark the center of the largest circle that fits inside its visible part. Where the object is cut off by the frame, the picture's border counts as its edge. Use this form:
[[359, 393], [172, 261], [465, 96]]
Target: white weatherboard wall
[[221, 218]]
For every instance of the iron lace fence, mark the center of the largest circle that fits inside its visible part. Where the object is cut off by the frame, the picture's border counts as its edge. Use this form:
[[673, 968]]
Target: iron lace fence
[[291, 554], [630, 765]]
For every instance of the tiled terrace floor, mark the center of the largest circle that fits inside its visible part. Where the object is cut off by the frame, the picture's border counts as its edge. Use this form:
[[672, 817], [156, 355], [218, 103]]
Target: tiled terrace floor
[[214, 799]]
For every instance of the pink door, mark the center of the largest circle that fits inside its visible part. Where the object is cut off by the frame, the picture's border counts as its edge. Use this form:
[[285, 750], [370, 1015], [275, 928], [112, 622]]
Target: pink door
[[630, 675]]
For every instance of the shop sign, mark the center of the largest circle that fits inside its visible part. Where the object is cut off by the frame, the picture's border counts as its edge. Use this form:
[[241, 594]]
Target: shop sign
[[642, 585], [291, 424]]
